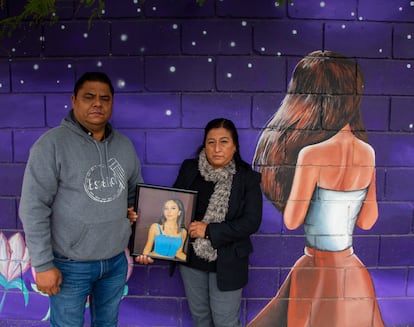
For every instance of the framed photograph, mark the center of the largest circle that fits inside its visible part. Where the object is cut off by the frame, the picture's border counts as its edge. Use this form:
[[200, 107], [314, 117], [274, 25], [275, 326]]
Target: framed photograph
[[164, 214]]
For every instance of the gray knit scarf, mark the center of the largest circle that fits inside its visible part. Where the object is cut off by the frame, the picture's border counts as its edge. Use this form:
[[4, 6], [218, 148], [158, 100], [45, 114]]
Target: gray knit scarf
[[218, 203]]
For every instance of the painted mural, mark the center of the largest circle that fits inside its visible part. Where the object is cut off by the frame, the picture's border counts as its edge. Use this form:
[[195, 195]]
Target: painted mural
[[176, 65], [15, 261], [318, 169]]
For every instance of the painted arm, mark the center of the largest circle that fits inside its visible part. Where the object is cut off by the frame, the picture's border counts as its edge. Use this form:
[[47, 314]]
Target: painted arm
[[303, 185], [150, 240], [180, 253], [369, 211]]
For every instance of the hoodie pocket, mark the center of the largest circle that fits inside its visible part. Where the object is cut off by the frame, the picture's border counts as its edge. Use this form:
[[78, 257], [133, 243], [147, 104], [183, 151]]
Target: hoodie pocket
[[98, 241]]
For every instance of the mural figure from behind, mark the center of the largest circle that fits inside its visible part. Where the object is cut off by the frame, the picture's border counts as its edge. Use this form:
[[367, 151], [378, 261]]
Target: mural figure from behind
[[319, 171], [167, 237]]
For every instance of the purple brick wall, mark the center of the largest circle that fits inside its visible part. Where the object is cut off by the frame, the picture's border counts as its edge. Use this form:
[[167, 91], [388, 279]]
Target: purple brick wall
[[175, 65]]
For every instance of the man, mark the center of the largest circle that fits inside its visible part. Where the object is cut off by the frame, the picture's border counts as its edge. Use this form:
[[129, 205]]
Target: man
[[79, 181]]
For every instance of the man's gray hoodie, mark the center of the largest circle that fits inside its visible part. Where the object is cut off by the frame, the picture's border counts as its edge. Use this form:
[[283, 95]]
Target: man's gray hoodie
[[75, 195]]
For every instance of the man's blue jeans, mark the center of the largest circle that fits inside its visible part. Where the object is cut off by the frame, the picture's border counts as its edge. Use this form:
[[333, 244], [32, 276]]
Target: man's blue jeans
[[103, 281]]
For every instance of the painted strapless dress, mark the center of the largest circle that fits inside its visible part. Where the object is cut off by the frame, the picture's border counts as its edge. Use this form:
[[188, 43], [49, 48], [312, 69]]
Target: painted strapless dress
[[328, 286]]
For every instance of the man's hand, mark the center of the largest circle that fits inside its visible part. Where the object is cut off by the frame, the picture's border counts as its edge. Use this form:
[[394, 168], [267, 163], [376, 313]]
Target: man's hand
[[144, 259], [132, 215], [48, 281]]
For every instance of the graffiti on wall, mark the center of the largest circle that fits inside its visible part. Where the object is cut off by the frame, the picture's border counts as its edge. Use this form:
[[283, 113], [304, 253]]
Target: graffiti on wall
[[16, 264], [318, 169]]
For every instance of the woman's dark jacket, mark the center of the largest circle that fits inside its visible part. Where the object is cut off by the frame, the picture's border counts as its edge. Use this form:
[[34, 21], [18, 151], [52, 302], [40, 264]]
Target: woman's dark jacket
[[231, 237]]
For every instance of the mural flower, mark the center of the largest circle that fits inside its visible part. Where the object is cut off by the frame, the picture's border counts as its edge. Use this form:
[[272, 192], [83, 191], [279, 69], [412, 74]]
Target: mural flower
[[34, 288], [130, 269], [14, 261]]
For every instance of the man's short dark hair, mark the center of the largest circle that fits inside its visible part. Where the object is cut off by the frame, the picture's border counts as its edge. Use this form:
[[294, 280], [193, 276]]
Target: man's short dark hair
[[93, 77]]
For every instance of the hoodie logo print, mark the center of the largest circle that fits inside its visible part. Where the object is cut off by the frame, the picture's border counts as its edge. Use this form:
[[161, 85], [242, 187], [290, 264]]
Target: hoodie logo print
[[105, 183]]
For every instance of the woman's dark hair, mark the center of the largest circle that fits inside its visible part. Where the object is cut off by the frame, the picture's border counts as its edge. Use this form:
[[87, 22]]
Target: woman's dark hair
[[92, 77], [324, 95], [180, 218], [229, 125]]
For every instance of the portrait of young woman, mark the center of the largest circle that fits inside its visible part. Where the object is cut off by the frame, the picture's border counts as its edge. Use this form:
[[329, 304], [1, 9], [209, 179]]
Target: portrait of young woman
[[166, 238], [161, 231]]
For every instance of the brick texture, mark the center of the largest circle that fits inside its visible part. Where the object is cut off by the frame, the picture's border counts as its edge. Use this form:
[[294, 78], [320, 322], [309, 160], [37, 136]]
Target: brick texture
[[177, 64]]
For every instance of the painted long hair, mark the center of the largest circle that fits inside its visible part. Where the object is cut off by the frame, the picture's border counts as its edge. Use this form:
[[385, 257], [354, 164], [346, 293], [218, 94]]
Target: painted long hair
[[324, 94]]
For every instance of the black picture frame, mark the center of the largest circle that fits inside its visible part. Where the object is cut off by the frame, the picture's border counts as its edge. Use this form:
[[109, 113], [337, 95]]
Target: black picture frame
[[150, 203]]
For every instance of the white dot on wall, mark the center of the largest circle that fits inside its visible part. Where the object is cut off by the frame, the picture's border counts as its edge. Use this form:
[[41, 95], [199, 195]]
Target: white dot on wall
[[229, 75], [66, 106], [277, 4], [263, 49], [172, 69], [380, 50], [135, 1], [249, 65], [409, 37], [124, 37], [1, 85], [210, 59], [204, 32], [410, 125], [85, 35], [142, 49], [360, 18], [121, 83], [99, 64], [408, 66], [232, 44], [322, 4], [412, 3], [193, 43], [14, 50], [57, 81], [36, 67], [175, 26], [168, 112], [138, 10], [154, 8], [294, 32], [343, 26], [400, 9], [103, 12], [244, 23], [21, 81], [278, 54], [352, 14], [62, 27], [54, 14]]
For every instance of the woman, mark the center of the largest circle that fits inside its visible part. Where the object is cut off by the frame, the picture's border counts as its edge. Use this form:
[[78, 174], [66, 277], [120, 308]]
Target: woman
[[319, 131], [167, 237], [228, 211]]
